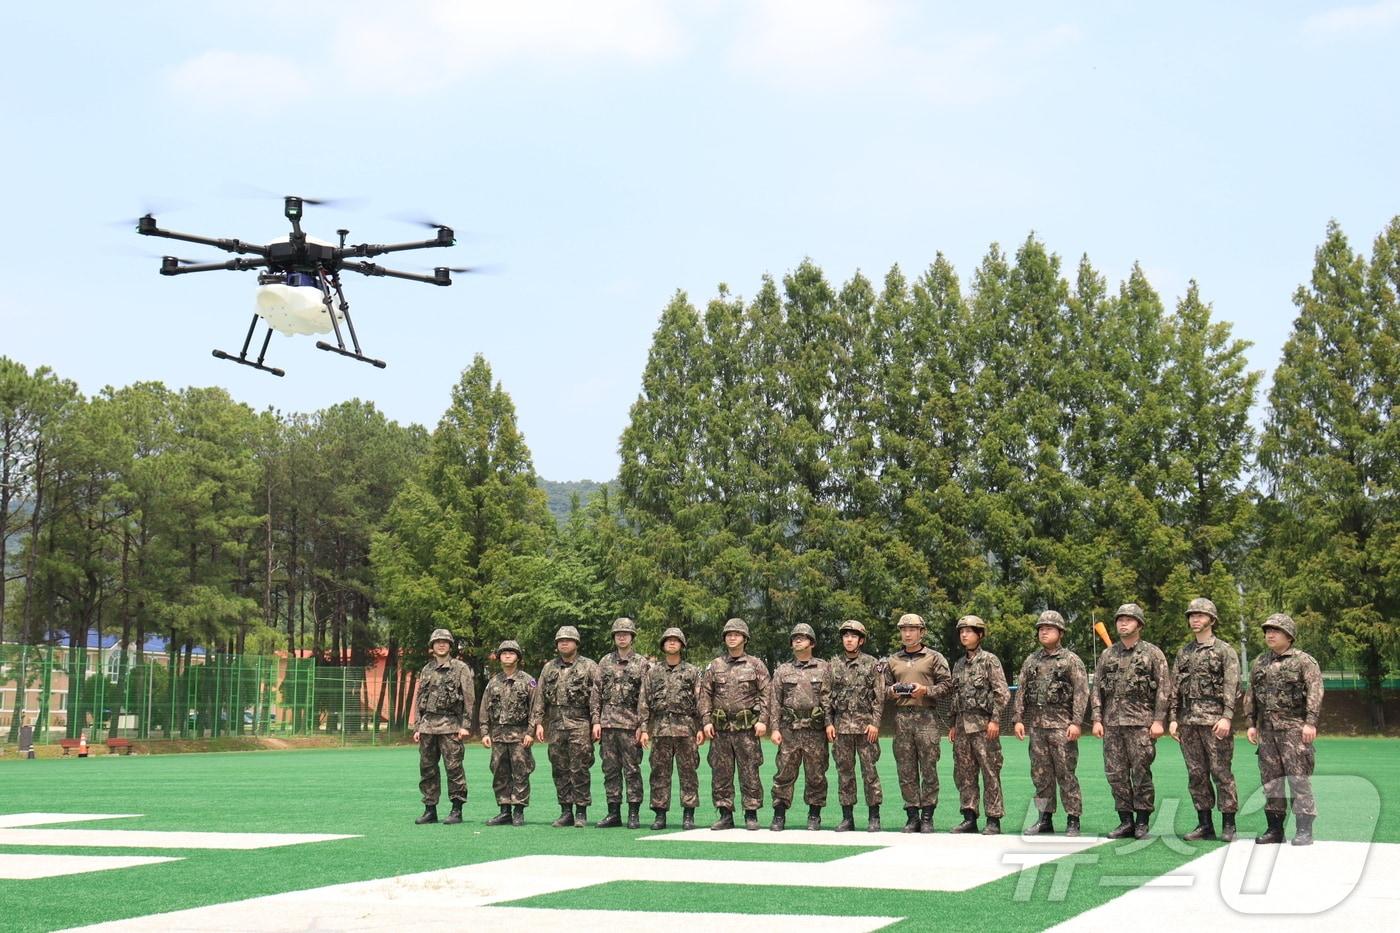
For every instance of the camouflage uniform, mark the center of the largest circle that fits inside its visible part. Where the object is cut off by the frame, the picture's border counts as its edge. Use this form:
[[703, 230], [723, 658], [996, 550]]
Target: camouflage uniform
[[1284, 695], [857, 699], [733, 699], [979, 696], [446, 698], [505, 714], [619, 685], [1205, 684], [1051, 695], [670, 714], [797, 707], [567, 704], [916, 729], [1131, 690]]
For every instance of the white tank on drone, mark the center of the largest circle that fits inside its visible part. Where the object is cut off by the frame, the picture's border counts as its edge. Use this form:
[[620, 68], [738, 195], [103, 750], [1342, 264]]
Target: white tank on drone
[[296, 306]]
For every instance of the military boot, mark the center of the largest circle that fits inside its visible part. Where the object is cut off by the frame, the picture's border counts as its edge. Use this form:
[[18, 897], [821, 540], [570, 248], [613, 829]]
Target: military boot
[[1124, 829], [1302, 833], [968, 824], [517, 815], [660, 821], [1140, 830], [911, 825], [814, 819], [725, 821], [502, 818], [1043, 826], [873, 823], [1071, 825], [688, 818], [926, 820], [993, 827], [455, 815], [848, 820], [566, 817], [1274, 834], [580, 816], [614, 817], [634, 816], [751, 820], [429, 815], [1227, 827], [1205, 827], [779, 818]]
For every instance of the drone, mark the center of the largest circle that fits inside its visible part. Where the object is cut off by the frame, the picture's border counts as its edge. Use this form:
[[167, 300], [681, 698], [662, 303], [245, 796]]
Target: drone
[[299, 290]]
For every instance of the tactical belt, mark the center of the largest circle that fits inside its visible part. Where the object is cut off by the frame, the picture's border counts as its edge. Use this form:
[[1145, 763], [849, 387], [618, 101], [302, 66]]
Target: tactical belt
[[737, 721], [811, 718]]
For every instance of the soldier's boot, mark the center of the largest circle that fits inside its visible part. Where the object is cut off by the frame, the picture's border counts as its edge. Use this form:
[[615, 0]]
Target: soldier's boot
[[1071, 825], [848, 819], [1205, 827], [580, 816], [1140, 830], [614, 817], [926, 820], [751, 820], [993, 827], [1227, 827], [873, 823], [1274, 834], [911, 825], [968, 824], [502, 818], [688, 818], [634, 816], [455, 815], [660, 821], [1043, 826], [725, 821], [566, 817], [429, 815], [1302, 834], [779, 818], [517, 815], [1124, 829], [814, 818]]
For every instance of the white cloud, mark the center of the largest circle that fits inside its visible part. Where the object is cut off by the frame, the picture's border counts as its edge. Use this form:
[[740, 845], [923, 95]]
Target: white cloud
[[219, 79], [1357, 20]]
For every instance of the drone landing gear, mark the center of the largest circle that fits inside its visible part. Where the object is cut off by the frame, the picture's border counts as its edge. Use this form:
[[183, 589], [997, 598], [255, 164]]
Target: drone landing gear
[[242, 357], [329, 283]]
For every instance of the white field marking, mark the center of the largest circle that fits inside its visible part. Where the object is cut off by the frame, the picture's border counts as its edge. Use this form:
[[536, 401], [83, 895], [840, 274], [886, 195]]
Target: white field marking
[[14, 832], [10, 820], [1278, 888], [23, 867]]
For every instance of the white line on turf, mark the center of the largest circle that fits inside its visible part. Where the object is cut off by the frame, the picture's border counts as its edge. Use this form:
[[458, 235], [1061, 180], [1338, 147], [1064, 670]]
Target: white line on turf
[[26, 866], [15, 831]]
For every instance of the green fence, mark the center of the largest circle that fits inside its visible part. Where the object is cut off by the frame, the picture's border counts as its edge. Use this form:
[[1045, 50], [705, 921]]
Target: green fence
[[104, 694]]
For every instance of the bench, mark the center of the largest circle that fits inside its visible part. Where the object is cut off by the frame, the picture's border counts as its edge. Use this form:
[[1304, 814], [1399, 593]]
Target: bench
[[68, 745], [119, 746]]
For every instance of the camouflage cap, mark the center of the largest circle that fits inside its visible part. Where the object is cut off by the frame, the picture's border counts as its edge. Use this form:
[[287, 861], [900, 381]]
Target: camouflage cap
[[911, 619], [673, 633], [1283, 622], [736, 625], [851, 625], [973, 622], [626, 625], [1051, 617], [802, 628], [441, 634], [1201, 604], [1132, 611], [567, 632], [509, 645]]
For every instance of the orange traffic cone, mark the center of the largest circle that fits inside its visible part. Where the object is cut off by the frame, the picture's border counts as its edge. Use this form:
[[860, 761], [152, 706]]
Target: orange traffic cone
[[82, 745]]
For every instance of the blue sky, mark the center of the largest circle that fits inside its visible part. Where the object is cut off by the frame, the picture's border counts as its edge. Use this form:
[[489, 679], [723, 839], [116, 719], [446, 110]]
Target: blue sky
[[605, 154]]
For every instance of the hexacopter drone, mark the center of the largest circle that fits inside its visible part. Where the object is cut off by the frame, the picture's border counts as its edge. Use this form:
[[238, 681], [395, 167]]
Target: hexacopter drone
[[300, 275]]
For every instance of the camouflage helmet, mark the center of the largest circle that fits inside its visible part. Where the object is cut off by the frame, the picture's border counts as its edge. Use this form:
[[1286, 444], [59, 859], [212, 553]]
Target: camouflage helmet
[[1201, 604], [624, 625], [736, 625], [1283, 622], [567, 633], [1132, 611], [973, 622], [1051, 617], [441, 634], [851, 625], [673, 632], [911, 619], [510, 644], [802, 628]]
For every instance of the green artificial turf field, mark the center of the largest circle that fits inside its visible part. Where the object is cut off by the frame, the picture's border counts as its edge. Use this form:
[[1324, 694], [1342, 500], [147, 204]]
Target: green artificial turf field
[[372, 794]]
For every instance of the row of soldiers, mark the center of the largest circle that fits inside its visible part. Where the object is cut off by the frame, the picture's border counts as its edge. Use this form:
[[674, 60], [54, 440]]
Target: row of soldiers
[[812, 708]]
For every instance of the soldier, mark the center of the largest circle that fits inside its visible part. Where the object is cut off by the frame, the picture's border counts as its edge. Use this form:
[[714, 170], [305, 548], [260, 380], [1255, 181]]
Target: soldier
[[797, 708], [441, 714], [505, 714], [1131, 688], [1052, 697], [979, 696], [733, 703], [670, 716], [619, 685], [567, 699], [857, 699], [916, 678], [1205, 684], [1282, 706]]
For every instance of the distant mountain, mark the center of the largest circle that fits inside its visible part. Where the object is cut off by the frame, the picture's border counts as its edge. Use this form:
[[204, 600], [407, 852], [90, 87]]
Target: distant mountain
[[561, 494]]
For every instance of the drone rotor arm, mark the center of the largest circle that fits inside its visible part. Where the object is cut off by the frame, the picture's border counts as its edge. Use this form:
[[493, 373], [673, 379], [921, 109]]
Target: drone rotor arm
[[171, 266], [445, 237], [440, 276], [146, 226]]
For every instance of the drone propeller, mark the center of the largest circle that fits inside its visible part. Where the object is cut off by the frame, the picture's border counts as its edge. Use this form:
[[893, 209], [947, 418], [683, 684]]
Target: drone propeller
[[479, 270], [256, 193], [148, 209], [419, 221]]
